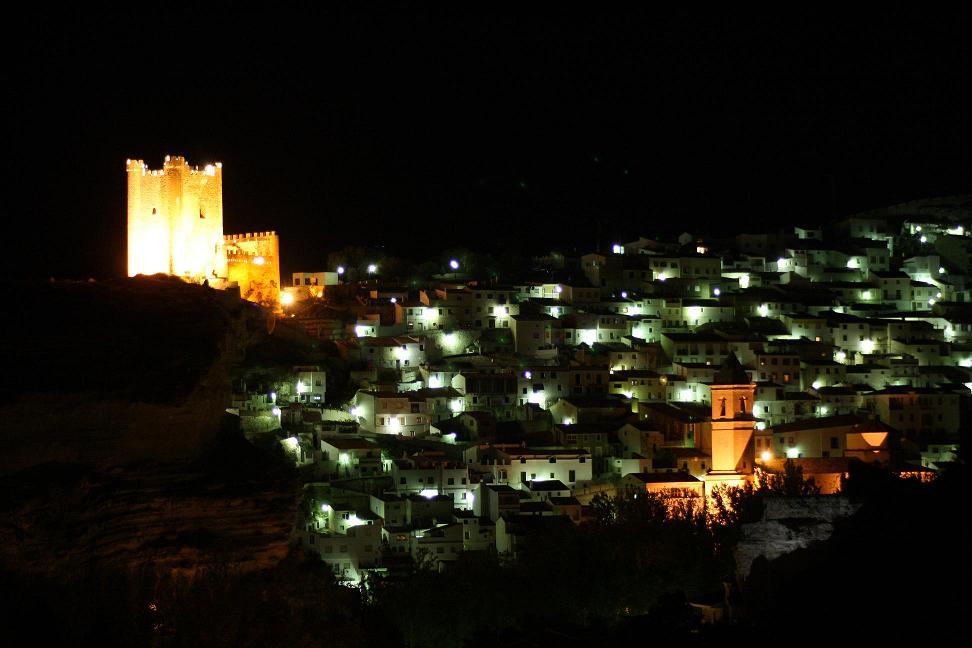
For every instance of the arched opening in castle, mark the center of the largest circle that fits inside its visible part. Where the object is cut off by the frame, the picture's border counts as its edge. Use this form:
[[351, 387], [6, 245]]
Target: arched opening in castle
[[175, 227]]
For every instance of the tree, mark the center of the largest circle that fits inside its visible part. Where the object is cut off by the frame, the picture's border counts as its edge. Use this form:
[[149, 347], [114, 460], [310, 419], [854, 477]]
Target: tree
[[791, 482]]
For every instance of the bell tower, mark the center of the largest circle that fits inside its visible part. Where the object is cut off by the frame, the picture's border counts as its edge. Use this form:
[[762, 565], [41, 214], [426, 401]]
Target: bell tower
[[733, 451]]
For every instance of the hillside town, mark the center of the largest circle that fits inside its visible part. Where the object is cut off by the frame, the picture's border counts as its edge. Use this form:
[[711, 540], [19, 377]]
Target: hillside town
[[473, 410]]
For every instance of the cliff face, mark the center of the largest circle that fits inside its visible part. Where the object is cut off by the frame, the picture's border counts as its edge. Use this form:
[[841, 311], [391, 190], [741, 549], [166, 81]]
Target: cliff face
[[789, 524], [115, 449], [106, 373]]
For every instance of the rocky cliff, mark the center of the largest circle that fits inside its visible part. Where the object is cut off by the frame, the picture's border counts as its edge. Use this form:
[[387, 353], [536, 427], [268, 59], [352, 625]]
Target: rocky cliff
[[111, 372], [117, 458], [789, 524]]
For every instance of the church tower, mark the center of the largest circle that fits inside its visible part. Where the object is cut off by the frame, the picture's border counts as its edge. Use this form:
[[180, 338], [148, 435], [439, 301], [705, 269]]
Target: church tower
[[733, 450]]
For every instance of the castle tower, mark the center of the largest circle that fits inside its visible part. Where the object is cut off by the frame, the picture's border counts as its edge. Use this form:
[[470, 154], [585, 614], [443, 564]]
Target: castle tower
[[175, 220], [733, 450], [253, 262]]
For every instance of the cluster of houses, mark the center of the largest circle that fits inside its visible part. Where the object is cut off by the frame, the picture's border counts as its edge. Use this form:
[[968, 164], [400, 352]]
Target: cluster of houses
[[484, 410]]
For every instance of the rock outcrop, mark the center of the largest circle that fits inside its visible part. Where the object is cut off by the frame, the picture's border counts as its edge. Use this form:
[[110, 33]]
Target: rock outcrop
[[116, 452], [107, 373], [789, 524]]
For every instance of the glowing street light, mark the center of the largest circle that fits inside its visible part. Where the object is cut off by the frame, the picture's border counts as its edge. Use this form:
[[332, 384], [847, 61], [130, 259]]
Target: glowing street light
[[454, 264], [766, 456], [286, 299], [372, 268], [340, 270]]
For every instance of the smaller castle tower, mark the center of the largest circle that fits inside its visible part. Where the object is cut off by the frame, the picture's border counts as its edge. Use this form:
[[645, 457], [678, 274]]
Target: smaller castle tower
[[253, 263], [733, 450]]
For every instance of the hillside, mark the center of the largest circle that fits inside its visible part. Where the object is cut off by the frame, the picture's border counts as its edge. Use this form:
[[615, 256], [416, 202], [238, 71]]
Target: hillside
[[118, 462]]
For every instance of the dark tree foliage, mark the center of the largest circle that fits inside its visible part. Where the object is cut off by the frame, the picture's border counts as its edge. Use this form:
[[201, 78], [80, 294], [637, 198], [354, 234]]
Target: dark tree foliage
[[899, 565], [791, 483], [297, 603], [639, 553]]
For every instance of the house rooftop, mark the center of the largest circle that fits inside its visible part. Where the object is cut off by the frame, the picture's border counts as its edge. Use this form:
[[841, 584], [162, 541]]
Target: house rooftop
[[822, 422], [662, 477], [547, 485], [346, 443]]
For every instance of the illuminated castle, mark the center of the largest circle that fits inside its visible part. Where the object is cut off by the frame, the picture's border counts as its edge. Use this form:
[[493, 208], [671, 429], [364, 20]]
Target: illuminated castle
[[175, 226], [175, 220]]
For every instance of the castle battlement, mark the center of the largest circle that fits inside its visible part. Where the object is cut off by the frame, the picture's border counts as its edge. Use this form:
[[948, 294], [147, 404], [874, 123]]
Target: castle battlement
[[249, 236], [176, 162]]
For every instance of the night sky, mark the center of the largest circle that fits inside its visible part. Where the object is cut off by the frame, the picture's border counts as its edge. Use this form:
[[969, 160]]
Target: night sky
[[418, 131]]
